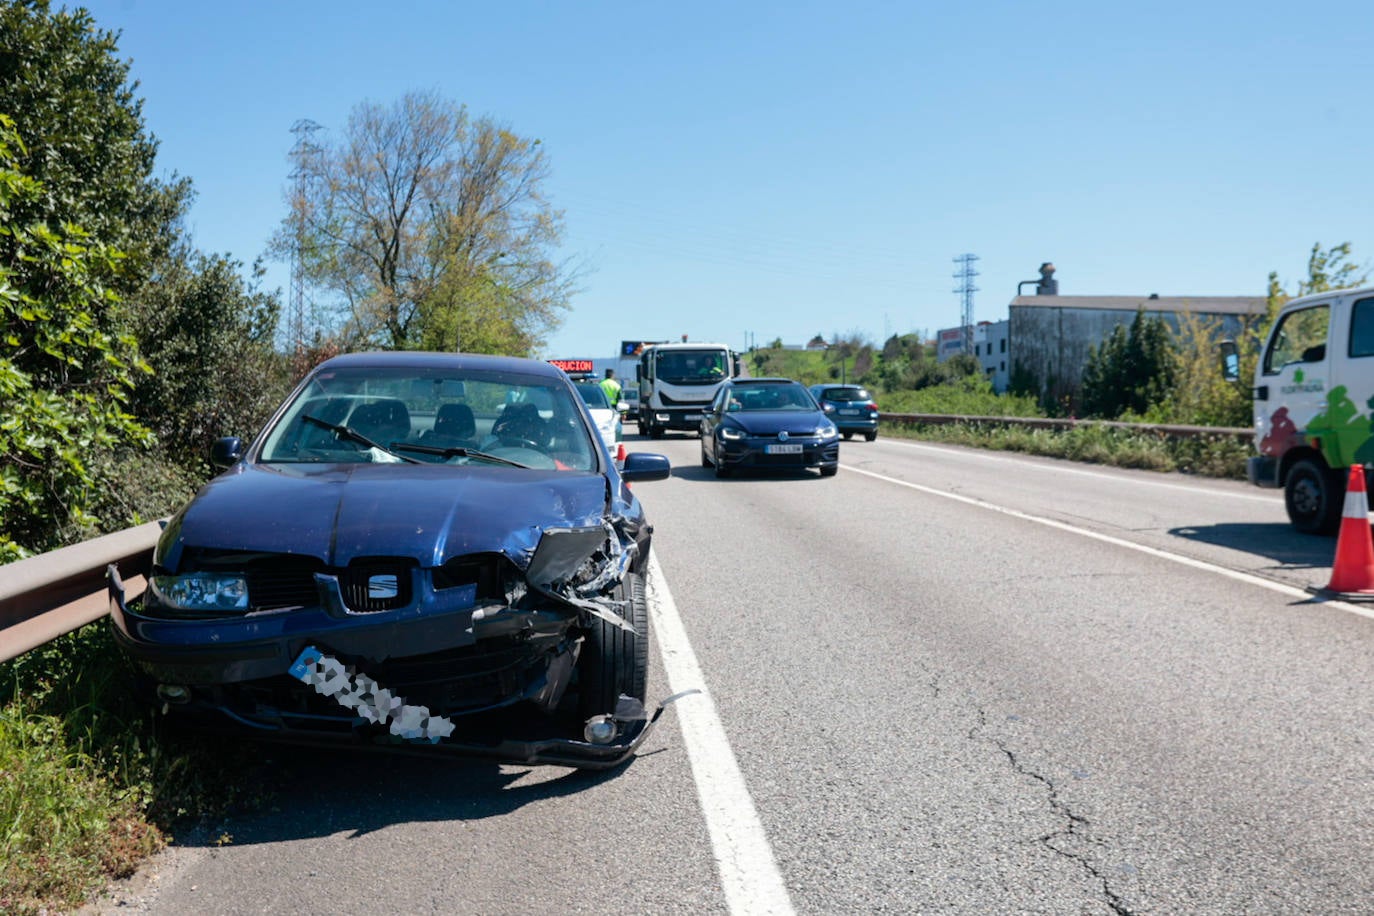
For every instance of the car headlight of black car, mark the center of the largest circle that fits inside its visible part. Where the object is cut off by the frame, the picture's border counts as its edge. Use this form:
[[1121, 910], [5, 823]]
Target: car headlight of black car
[[732, 433], [201, 591]]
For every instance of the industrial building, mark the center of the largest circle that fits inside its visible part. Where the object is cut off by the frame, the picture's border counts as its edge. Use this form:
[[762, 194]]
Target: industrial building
[[1046, 338]]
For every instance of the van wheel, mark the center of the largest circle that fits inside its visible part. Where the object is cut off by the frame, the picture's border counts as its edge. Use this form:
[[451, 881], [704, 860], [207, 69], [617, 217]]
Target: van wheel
[[1314, 496]]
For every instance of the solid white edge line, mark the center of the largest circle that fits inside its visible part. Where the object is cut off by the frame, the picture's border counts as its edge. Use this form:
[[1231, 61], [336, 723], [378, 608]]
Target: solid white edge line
[[749, 874], [1289, 590], [1056, 467]]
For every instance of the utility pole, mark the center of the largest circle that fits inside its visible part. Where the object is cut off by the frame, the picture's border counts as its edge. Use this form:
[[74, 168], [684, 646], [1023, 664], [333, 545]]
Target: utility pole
[[302, 154], [966, 289]]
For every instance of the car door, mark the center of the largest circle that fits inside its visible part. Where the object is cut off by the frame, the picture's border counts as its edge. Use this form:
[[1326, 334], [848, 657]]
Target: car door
[[710, 419]]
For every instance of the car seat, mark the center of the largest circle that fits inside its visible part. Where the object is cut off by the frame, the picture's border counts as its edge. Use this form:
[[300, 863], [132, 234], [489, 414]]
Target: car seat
[[384, 422], [454, 424], [520, 421]]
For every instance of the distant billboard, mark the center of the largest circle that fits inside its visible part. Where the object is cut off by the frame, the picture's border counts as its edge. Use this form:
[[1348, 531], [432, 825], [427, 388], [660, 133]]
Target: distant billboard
[[949, 342]]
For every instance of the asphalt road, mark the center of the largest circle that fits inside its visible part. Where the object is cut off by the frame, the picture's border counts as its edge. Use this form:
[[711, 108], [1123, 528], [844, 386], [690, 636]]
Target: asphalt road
[[941, 681]]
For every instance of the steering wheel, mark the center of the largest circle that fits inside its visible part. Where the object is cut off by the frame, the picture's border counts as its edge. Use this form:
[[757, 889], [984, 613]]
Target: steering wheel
[[512, 441]]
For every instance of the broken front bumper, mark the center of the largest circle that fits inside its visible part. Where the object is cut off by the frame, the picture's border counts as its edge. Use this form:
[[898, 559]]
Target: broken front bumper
[[253, 674]]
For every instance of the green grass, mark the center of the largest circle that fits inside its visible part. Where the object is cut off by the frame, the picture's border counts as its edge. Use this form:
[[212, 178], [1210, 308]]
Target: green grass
[[1221, 456], [90, 784]]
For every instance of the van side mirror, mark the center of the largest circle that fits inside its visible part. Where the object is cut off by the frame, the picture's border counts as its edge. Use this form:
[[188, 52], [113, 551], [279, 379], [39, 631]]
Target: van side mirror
[[1230, 360]]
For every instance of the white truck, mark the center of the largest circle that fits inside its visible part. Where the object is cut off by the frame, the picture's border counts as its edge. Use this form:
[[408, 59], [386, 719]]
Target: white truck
[[1313, 394], [677, 382]]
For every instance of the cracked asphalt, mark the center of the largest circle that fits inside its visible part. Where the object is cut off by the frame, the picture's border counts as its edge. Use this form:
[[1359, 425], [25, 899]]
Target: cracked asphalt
[[935, 708]]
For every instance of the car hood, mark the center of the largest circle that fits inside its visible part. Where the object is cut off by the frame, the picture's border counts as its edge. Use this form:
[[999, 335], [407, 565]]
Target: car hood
[[772, 422], [430, 513]]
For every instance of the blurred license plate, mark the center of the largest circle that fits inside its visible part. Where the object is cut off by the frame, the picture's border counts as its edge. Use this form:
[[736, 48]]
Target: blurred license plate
[[787, 448], [849, 411], [692, 417]]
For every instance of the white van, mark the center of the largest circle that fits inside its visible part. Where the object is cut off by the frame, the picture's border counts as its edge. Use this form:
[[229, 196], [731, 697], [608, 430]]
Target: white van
[[1314, 393]]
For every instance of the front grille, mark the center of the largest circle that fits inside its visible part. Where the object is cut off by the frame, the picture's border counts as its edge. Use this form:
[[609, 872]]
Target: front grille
[[674, 402], [487, 571], [286, 581], [376, 585]]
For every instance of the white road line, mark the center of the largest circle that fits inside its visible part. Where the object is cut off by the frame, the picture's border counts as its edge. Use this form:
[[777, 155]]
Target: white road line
[[748, 872], [1289, 590], [1062, 469]]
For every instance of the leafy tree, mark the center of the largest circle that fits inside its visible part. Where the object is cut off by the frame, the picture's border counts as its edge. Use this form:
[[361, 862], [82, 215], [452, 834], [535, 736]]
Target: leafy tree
[[432, 228], [209, 333], [85, 143], [1130, 370], [65, 368]]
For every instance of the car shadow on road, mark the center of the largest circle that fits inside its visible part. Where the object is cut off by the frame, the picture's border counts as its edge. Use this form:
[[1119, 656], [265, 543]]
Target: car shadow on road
[[1278, 542], [690, 472], [313, 793]]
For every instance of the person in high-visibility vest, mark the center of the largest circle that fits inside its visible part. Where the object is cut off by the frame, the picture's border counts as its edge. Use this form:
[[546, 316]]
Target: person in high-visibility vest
[[611, 387]]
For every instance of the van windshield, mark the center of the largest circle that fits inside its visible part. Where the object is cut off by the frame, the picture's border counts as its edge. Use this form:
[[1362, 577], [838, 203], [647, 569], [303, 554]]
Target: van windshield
[[691, 367]]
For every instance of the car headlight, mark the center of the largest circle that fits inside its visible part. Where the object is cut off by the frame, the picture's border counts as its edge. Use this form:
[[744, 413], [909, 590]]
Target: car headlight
[[827, 430], [202, 591], [730, 432]]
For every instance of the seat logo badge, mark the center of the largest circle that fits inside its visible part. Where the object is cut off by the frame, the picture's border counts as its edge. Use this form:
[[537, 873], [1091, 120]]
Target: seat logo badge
[[382, 587], [782, 436]]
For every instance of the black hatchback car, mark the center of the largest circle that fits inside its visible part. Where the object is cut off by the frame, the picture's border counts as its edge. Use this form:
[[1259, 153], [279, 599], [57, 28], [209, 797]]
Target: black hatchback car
[[851, 407], [767, 423], [417, 548]]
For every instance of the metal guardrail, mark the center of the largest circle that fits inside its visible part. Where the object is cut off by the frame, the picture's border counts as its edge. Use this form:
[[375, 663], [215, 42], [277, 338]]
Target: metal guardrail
[[43, 597], [1244, 434]]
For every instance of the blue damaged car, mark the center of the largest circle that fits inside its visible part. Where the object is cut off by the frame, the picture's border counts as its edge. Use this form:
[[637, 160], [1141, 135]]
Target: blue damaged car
[[417, 548]]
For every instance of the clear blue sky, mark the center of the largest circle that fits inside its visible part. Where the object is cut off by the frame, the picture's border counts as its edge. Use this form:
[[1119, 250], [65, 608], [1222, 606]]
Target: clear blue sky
[[788, 169]]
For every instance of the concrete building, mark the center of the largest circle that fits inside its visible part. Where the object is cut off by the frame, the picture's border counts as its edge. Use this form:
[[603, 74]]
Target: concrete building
[[991, 344], [1050, 335]]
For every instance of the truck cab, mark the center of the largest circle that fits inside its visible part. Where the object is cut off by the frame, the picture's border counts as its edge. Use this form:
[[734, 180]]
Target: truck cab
[[677, 383], [1313, 397]]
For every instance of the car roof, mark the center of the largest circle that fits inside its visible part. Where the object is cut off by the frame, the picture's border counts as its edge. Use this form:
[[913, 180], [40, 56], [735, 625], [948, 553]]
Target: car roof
[[427, 360]]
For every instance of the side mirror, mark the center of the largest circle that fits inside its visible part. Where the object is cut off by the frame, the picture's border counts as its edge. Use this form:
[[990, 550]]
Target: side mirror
[[226, 452], [645, 466], [1230, 360], [622, 406]]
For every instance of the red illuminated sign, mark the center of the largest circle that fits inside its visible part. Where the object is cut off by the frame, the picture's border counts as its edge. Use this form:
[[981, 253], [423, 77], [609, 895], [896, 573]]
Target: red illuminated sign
[[573, 365]]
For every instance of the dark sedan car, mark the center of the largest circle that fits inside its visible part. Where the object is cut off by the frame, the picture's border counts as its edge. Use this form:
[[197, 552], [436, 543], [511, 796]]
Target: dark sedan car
[[417, 548], [851, 407], [767, 423]]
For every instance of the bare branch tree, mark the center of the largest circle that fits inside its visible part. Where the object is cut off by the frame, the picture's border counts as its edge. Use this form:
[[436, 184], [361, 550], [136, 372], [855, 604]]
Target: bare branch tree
[[432, 230]]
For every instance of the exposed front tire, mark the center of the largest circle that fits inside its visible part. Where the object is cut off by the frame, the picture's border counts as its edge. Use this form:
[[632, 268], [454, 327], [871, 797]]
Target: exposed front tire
[[830, 471], [613, 661], [1314, 495]]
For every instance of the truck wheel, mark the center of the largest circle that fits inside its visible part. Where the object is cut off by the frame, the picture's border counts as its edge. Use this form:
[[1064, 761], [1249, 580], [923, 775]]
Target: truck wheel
[[1314, 496], [613, 661], [655, 431]]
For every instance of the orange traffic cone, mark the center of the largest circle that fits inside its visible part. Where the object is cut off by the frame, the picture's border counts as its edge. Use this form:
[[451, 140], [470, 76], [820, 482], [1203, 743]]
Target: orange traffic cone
[[1353, 571], [620, 453]]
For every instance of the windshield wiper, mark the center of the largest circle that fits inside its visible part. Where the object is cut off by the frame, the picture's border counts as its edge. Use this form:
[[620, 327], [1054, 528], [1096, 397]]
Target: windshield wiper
[[450, 451], [348, 432]]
